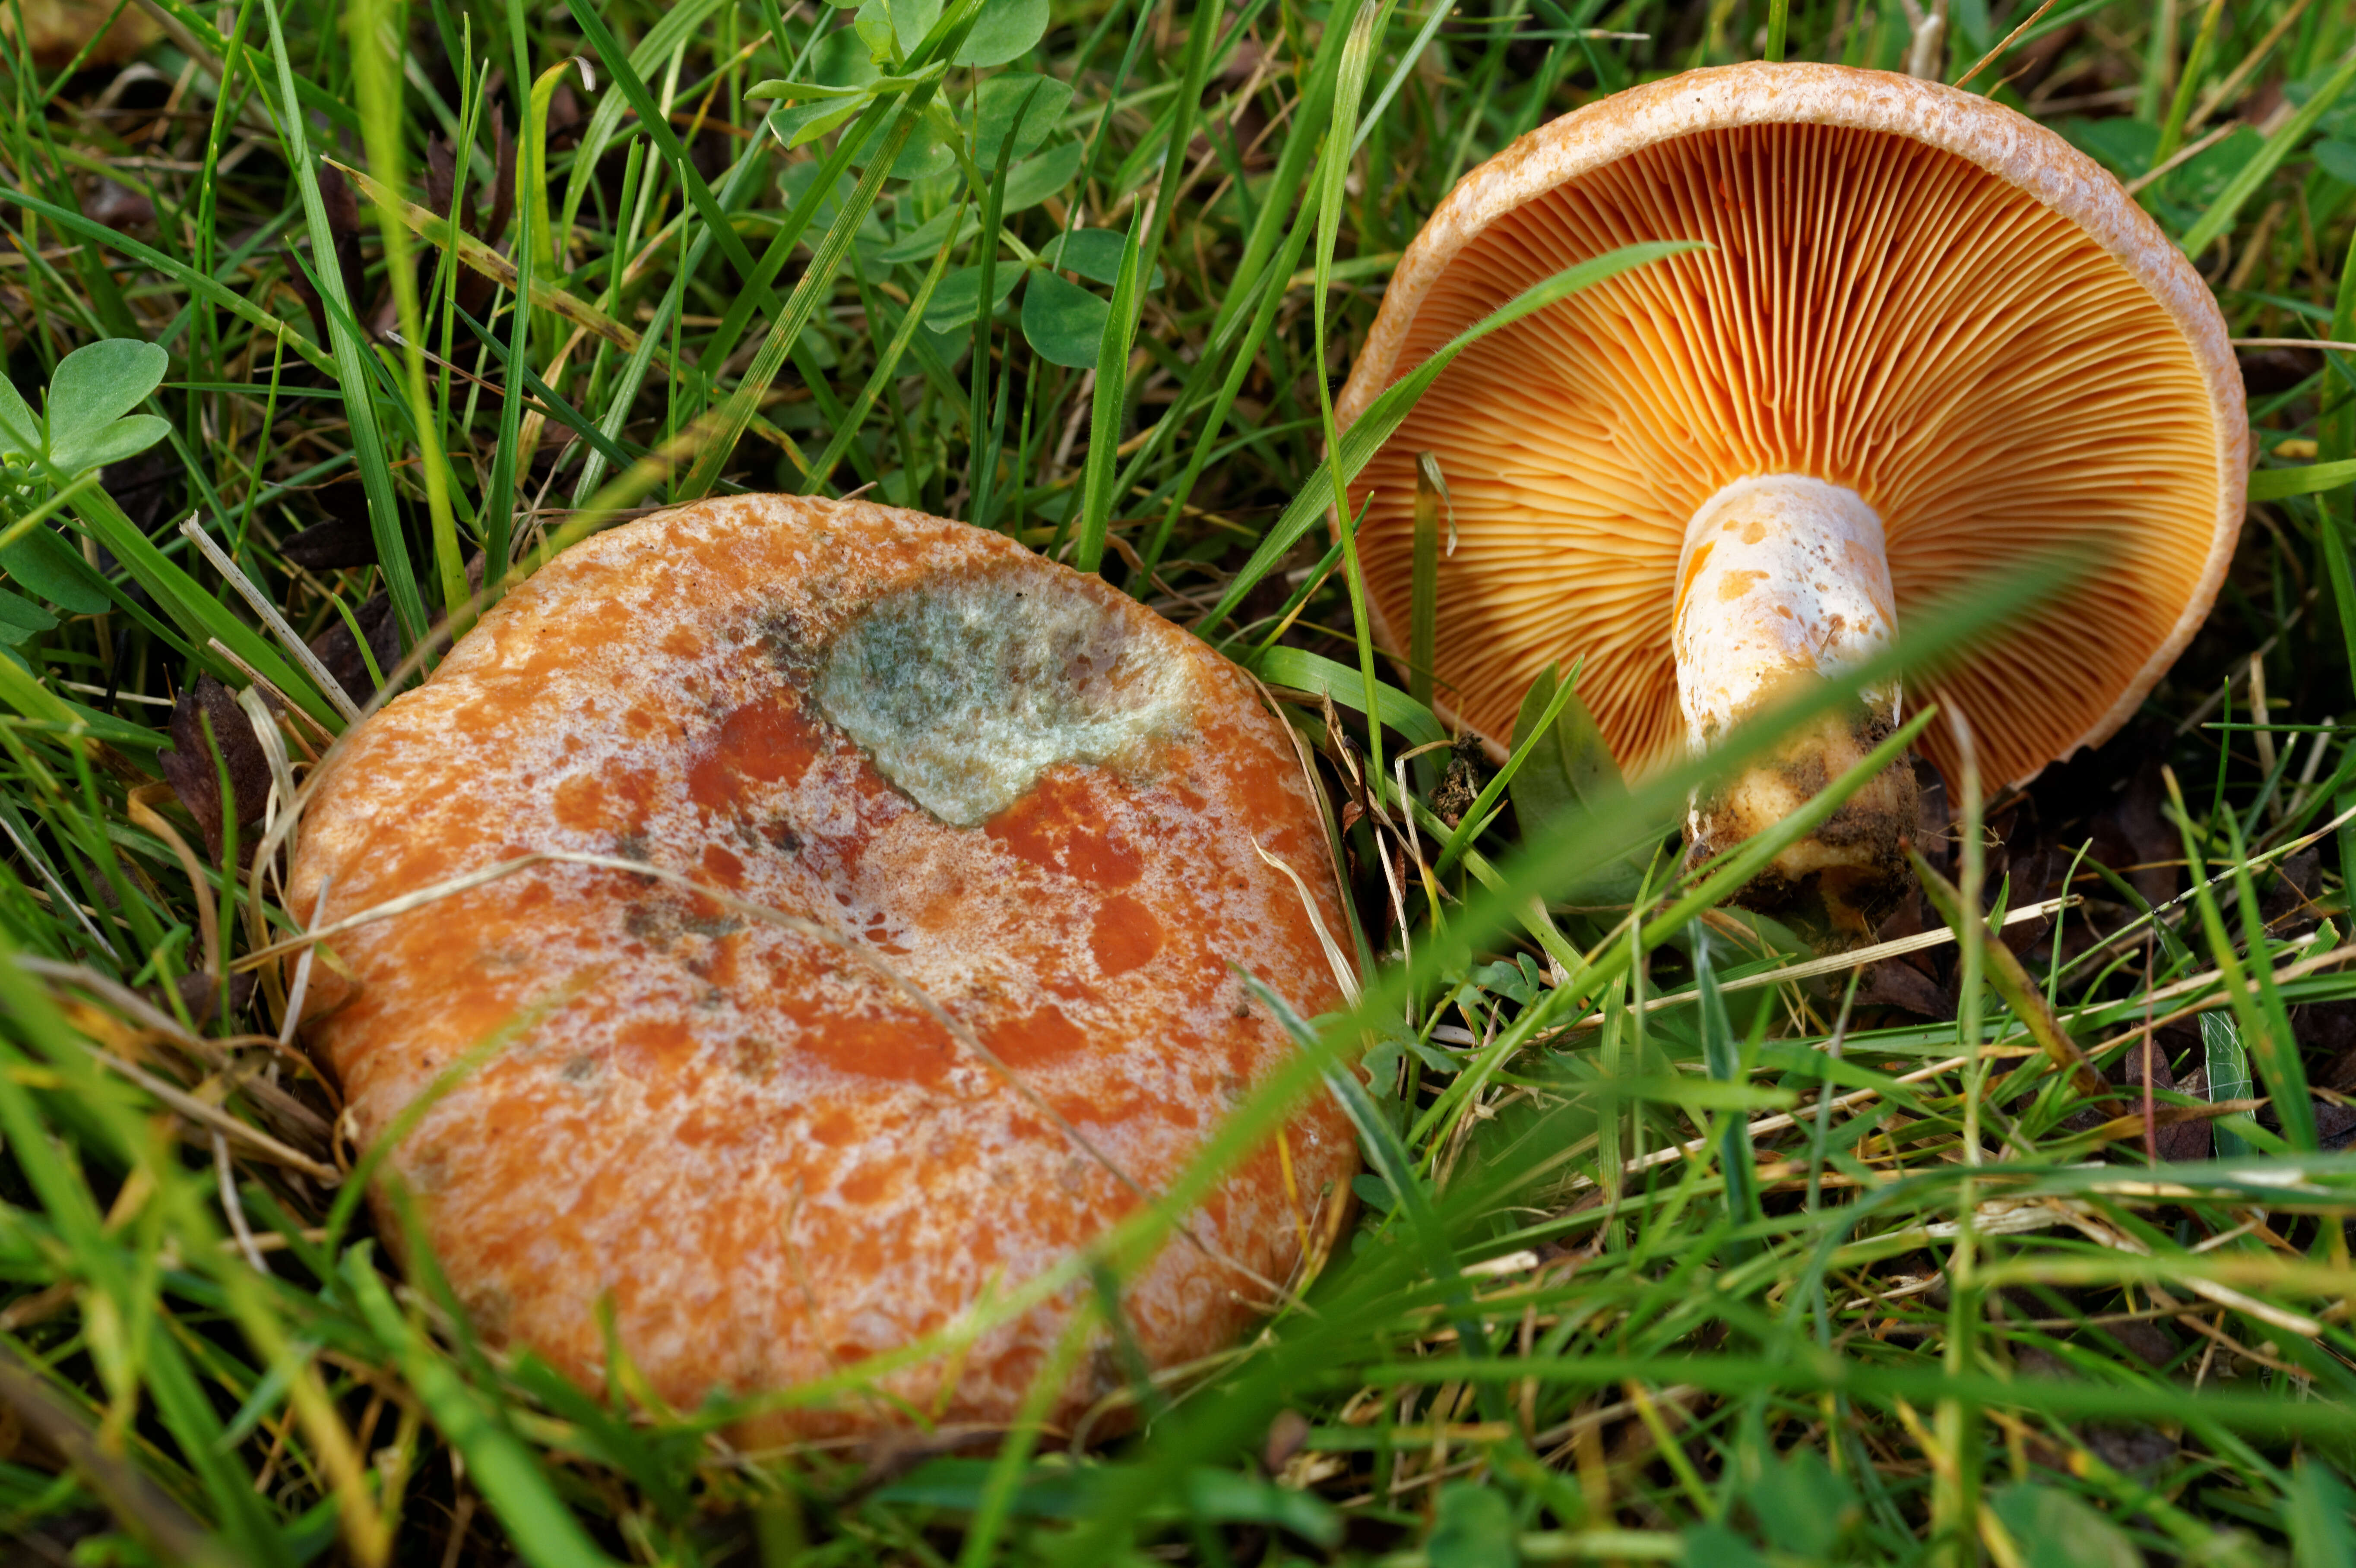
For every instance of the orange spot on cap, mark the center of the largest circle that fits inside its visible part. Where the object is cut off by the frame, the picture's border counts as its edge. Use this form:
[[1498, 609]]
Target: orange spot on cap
[[1050, 828], [764, 742], [1124, 936]]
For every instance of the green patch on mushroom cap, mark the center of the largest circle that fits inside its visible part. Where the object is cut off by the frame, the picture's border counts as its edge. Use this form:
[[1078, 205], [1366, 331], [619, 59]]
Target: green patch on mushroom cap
[[964, 692]]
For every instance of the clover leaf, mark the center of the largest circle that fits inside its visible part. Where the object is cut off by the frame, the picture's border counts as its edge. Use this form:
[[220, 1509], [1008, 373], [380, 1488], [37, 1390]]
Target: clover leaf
[[1062, 321], [89, 423], [21, 427], [1007, 29]]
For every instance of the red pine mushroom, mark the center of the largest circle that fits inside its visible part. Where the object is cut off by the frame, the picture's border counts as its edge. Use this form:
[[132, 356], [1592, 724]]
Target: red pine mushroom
[[1931, 341], [940, 977]]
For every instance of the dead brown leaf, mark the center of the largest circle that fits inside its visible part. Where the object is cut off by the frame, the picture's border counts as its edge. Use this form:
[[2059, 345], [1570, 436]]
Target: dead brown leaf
[[193, 767]]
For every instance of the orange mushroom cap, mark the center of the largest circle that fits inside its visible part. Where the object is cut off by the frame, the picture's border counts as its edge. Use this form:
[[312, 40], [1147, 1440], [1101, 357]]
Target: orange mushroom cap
[[1913, 293], [954, 987], [97, 32]]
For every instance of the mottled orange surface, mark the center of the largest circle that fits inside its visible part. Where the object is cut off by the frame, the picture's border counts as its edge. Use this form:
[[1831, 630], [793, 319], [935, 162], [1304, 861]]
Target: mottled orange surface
[[775, 1162]]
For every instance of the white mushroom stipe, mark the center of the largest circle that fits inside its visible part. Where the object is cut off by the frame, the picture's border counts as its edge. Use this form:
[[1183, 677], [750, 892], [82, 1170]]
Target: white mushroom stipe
[[1781, 576], [1785, 578]]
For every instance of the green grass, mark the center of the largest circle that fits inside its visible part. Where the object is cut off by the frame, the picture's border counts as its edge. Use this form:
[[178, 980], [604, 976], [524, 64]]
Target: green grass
[[1642, 1272]]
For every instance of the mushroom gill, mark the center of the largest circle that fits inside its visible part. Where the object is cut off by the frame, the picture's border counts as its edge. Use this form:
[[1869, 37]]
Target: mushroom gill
[[1877, 313]]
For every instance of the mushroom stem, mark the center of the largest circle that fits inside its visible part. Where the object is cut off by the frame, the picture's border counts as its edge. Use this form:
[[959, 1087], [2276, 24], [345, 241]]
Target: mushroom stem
[[1785, 578]]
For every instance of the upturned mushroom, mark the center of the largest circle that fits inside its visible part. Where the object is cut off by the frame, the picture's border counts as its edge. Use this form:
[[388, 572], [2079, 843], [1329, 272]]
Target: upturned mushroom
[[1929, 341], [900, 954]]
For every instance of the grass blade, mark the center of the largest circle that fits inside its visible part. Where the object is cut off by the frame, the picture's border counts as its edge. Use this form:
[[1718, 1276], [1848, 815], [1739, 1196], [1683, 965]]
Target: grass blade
[[351, 373], [2276, 1055], [2254, 174], [543, 1528], [886, 364], [1111, 398], [381, 118], [1424, 621], [1722, 1055], [2278, 484]]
